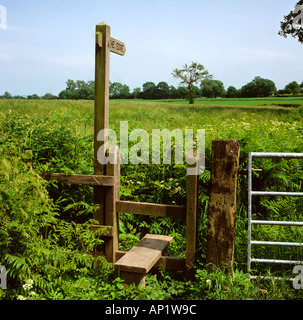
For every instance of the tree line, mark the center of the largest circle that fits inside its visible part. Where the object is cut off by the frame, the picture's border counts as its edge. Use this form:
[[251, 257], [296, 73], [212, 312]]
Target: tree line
[[208, 88]]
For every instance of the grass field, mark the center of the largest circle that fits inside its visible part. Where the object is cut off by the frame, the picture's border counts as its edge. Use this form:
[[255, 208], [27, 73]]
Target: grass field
[[60, 134]]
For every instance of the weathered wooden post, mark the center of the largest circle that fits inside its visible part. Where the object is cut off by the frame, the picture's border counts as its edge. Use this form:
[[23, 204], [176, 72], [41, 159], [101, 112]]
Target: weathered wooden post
[[222, 204], [104, 45], [112, 196], [192, 204]]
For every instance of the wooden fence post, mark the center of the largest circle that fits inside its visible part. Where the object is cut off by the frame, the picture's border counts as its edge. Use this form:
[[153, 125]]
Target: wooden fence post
[[192, 203], [222, 204], [112, 195]]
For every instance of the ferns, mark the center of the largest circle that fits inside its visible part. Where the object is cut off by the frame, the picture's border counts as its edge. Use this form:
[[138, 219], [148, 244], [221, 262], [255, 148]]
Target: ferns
[[34, 243]]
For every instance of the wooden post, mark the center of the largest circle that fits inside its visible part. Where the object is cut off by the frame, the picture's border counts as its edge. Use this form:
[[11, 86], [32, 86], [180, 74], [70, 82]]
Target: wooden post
[[192, 204], [103, 46], [222, 204], [101, 109], [112, 195]]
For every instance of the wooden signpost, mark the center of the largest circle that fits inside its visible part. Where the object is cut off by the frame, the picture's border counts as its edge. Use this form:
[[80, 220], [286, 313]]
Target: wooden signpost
[[104, 45]]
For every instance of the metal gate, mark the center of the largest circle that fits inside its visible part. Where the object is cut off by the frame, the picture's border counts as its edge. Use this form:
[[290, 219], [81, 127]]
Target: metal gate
[[251, 222]]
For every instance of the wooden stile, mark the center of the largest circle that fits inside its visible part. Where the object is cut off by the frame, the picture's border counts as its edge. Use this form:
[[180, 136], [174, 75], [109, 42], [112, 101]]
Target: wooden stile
[[147, 254]]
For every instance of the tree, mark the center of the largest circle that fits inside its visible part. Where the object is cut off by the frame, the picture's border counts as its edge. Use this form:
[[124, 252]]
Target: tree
[[49, 96], [7, 95], [212, 88], [148, 90], [183, 92], [66, 94], [136, 93], [293, 23], [231, 92], [84, 90], [174, 93], [190, 75], [162, 90], [78, 90], [258, 87], [118, 90], [293, 87], [33, 96]]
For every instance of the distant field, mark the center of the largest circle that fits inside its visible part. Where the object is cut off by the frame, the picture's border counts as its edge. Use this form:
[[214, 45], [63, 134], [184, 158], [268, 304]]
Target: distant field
[[261, 122], [246, 103]]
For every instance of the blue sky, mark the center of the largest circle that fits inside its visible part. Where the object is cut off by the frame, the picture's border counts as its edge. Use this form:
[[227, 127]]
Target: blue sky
[[47, 42]]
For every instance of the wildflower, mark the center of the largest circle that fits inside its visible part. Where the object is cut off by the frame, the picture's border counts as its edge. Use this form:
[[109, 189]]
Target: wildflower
[[208, 282], [28, 285], [178, 189]]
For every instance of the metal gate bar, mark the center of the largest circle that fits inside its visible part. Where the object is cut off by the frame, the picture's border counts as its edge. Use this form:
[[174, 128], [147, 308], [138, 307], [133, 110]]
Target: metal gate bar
[[252, 193]]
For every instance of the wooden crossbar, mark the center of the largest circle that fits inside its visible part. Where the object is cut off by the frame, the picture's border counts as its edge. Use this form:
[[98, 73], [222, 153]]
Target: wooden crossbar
[[152, 209], [90, 180]]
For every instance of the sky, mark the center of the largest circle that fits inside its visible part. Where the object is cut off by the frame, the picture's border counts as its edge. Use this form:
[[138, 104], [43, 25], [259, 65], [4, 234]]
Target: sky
[[48, 42]]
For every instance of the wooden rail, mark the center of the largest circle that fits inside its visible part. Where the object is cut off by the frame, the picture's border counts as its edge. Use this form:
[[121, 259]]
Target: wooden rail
[[90, 180], [151, 209]]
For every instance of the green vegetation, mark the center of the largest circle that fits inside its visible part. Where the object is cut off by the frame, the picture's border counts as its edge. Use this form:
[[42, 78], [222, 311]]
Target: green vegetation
[[45, 240]]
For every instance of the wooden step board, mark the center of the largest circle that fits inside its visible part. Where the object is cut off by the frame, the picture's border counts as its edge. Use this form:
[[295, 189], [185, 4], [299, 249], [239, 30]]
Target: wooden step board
[[138, 261]]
